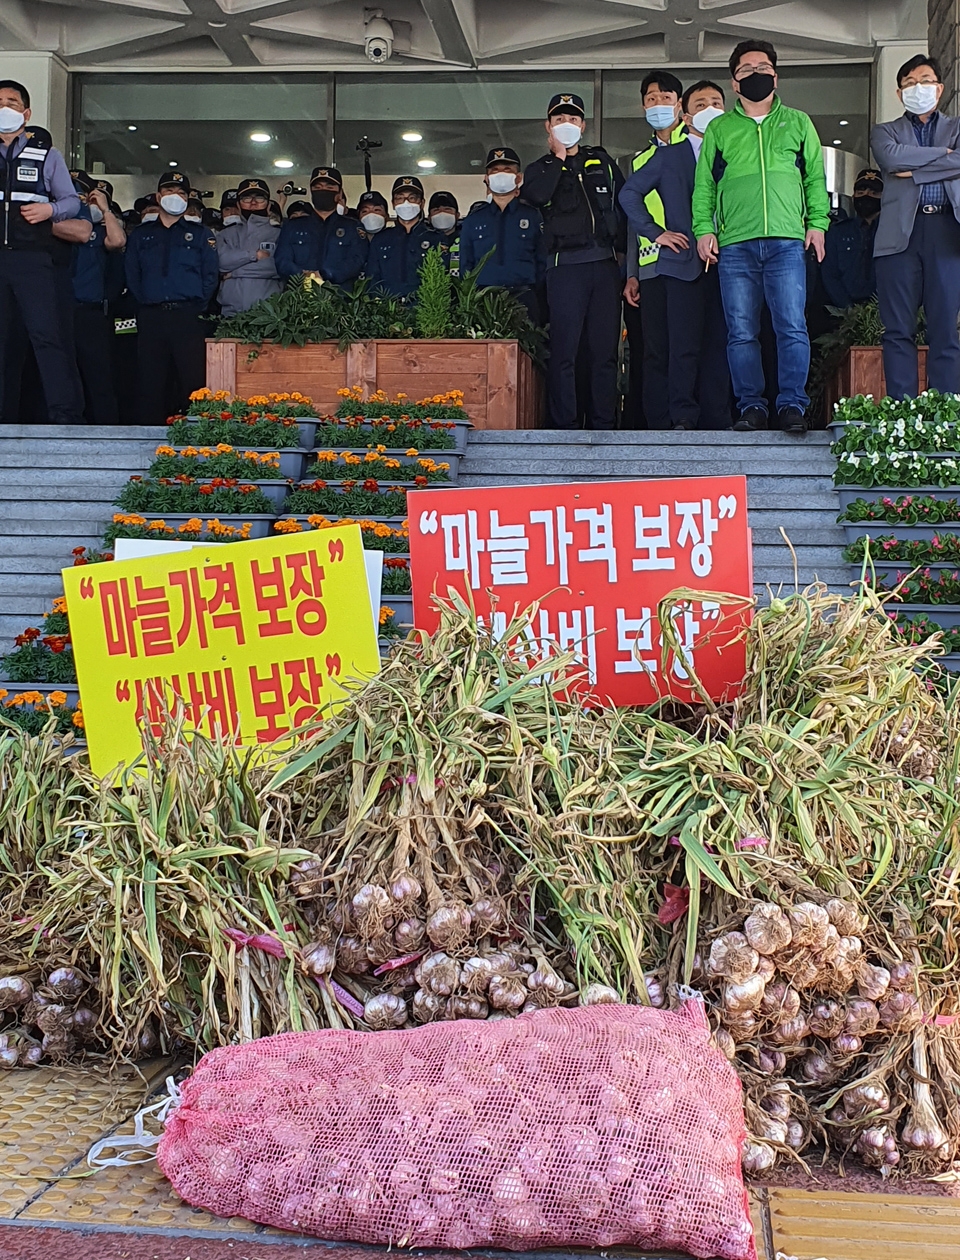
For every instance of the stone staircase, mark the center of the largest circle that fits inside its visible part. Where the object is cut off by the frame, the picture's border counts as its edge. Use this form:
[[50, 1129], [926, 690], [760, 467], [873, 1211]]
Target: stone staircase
[[790, 483], [58, 483]]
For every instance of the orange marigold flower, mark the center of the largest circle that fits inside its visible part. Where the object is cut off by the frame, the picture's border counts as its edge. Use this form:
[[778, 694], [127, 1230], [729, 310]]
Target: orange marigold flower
[[199, 394], [60, 603], [420, 481], [206, 489], [28, 636], [385, 614], [3, 693], [412, 453], [371, 484], [57, 699], [78, 720], [288, 527]]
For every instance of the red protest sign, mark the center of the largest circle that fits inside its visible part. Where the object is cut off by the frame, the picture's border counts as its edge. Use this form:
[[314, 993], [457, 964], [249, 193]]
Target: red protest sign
[[600, 556]]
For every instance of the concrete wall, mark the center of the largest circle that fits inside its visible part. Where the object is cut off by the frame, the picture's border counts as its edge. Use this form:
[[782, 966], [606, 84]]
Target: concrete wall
[[45, 78], [944, 19]]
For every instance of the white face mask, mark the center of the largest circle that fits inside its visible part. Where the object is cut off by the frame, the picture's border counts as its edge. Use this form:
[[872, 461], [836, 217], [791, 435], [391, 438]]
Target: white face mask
[[921, 98], [704, 117], [149, 218], [502, 182], [341, 208], [229, 219], [568, 134], [173, 203], [192, 218], [407, 210], [372, 223], [443, 221], [10, 120], [96, 213]]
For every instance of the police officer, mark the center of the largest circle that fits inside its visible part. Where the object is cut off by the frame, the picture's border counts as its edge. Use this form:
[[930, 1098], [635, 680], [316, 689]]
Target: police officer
[[299, 210], [247, 250], [443, 215], [395, 257], [327, 243], [36, 192], [230, 214], [172, 271], [373, 212], [512, 228], [576, 186], [94, 284]]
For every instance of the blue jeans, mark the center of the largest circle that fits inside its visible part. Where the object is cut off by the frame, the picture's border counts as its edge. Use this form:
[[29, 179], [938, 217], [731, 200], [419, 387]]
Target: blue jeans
[[774, 269]]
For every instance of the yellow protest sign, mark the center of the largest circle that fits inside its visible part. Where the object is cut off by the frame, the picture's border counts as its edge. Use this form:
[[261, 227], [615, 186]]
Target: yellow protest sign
[[255, 638]]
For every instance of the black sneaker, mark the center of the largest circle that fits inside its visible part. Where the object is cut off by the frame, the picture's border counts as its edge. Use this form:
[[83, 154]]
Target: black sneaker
[[751, 421], [792, 420], [684, 428]]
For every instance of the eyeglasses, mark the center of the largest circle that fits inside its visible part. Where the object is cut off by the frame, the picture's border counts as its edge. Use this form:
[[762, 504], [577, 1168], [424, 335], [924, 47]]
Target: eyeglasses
[[745, 71]]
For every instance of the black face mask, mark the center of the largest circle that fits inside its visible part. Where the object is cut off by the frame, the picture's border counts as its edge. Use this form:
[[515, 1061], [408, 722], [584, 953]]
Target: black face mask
[[258, 214], [866, 207], [324, 198], [756, 87]]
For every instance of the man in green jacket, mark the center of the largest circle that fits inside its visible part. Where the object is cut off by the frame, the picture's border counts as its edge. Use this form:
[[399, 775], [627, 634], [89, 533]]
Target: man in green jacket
[[760, 200]]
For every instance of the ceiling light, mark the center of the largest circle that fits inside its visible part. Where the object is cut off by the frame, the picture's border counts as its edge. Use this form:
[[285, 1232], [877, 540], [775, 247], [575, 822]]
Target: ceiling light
[[131, 127], [171, 163], [154, 146], [411, 137], [838, 142], [261, 137], [283, 164], [426, 164], [844, 122]]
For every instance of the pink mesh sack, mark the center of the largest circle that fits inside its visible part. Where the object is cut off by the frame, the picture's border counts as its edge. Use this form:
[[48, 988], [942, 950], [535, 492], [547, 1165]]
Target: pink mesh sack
[[591, 1127]]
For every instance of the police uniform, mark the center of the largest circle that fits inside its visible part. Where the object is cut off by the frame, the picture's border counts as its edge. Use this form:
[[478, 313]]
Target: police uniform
[[335, 246], [91, 278], [395, 256], [172, 272], [247, 278], [584, 232], [515, 234], [448, 239], [33, 171]]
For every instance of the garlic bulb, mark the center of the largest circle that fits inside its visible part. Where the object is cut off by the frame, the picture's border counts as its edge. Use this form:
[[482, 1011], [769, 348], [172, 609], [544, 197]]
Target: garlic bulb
[[827, 1019], [14, 991], [780, 999], [862, 1017], [772, 1062], [594, 994], [903, 976], [790, 1032], [487, 915], [439, 973], [845, 917], [767, 968], [506, 993], [476, 973], [544, 978], [352, 956], [427, 1005], [733, 957], [65, 982], [776, 1103], [654, 987], [795, 1135], [494, 1016], [877, 1147], [449, 927], [923, 1131], [872, 982], [371, 908], [900, 1012], [385, 1010], [745, 996], [767, 928], [405, 890], [770, 1129], [866, 1099], [725, 1043], [742, 1025], [757, 1157], [9, 1057], [409, 935], [818, 1068], [809, 923], [461, 1007], [846, 1043], [319, 959], [380, 949], [84, 1023]]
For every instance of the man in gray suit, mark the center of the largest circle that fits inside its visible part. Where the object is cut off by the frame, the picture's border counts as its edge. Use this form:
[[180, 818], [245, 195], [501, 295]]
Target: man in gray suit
[[918, 239]]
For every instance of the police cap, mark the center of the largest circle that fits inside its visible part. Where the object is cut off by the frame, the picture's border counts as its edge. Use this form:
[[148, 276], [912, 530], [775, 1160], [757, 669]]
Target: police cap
[[106, 187], [503, 155], [253, 185], [406, 182], [141, 203], [566, 103], [372, 198], [82, 182], [174, 179], [229, 198], [297, 208], [327, 172], [443, 199]]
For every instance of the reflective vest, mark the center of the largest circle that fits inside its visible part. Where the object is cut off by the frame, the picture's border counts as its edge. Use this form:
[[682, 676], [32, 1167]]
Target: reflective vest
[[649, 251], [21, 181]]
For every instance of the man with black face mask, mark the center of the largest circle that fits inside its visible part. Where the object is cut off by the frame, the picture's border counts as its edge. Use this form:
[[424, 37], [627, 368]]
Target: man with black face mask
[[246, 251], [759, 202], [848, 272], [327, 244]]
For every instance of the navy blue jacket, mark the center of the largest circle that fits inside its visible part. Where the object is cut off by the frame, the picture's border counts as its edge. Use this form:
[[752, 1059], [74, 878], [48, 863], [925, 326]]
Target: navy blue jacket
[[395, 257], [174, 264], [671, 171], [88, 267], [515, 233], [849, 272], [335, 246]]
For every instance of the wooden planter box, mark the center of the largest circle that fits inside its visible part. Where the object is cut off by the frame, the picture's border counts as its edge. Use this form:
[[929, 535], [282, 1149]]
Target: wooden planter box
[[502, 388], [861, 372]]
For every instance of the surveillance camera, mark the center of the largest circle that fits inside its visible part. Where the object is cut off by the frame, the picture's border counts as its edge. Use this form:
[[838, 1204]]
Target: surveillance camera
[[378, 37]]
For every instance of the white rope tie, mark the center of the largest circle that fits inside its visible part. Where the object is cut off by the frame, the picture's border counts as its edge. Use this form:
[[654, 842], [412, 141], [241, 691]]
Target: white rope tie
[[139, 1142]]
